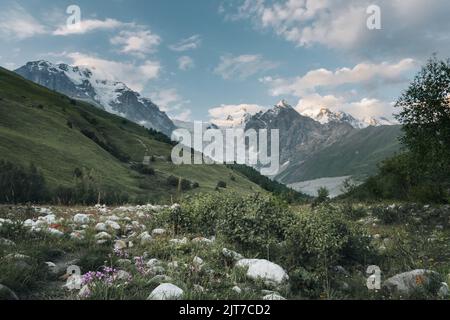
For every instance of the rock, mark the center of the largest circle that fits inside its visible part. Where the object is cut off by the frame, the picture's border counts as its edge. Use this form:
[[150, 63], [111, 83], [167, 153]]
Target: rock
[[77, 235], [273, 296], [29, 223], [52, 267], [112, 224], [157, 270], [103, 236], [99, 227], [264, 269], [443, 291], [120, 245], [123, 275], [158, 232], [49, 219], [173, 264], [237, 289], [406, 283], [55, 232], [166, 291], [7, 242], [179, 241], [232, 254], [146, 238], [201, 240], [81, 218], [197, 261], [7, 294], [153, 263]]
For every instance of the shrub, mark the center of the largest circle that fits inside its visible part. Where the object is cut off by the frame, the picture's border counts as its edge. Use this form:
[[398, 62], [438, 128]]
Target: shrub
[[324, 238], [172, 181], [19, 184], [253, 223], [143, 169], [221, 184]]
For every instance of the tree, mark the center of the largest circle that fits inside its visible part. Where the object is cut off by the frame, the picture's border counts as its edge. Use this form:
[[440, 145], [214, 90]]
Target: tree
[[425, 116]]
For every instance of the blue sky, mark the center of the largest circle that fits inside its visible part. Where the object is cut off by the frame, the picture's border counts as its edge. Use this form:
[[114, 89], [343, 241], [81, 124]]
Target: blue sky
[[205, 59]]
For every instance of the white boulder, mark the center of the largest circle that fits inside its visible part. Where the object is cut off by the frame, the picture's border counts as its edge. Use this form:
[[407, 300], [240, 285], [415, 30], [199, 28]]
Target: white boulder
[[166, 291], [264, 270]]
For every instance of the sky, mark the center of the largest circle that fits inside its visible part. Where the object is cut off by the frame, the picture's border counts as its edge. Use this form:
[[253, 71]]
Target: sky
[[205, 59]]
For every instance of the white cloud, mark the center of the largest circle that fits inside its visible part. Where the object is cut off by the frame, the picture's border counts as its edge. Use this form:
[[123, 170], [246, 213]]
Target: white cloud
[[232, 114], [409, 27], [185, 63], [243, 66], [360, 74], [17, 23], [136, 76], [190, 43], [139, 42], [183, 116], [88, 25]]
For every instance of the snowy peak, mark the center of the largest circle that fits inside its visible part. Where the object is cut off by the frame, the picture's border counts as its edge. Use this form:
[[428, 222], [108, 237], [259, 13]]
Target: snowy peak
[[83, 83], [283, 104], [325, 116]]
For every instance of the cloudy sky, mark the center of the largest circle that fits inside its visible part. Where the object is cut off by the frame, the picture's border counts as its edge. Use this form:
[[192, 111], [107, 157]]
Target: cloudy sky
[[200, 59]]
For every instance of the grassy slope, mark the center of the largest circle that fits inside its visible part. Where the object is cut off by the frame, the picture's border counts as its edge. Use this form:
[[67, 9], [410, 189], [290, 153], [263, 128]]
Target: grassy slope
[[34, 129], [357, 155]]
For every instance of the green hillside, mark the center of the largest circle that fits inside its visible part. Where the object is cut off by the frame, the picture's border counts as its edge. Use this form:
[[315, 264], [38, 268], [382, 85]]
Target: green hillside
[[59, 135], [358, 155]]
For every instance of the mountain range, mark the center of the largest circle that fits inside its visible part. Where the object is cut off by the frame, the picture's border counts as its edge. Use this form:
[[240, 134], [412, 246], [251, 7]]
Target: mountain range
[[82, 83], [326, 144]]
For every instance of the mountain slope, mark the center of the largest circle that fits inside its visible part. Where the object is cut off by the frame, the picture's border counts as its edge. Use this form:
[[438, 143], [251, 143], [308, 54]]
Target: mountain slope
[[59, 135], [357, 154], [84, 84]]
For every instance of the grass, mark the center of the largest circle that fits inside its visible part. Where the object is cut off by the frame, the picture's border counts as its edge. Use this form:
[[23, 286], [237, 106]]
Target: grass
[[43, 127]]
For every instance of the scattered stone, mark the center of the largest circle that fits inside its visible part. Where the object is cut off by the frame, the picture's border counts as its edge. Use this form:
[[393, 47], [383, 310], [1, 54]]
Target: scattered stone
[[198, 288], [197, 261], [103, 236], [55, 232], [123, 275], [443, 291], [7, 294], [179, 241], [100, 227], [112, 224], [201, 240], [81, 218], [264, 269], [237, 289], [158, 232], [232, 254], [166, 291], [146, 238], [153, 263], [273, 296], [120, 245], [7, 242], [406, 283], [77, 235]]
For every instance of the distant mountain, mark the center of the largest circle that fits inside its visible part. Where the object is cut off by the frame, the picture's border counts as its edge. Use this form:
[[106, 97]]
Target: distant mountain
[[325, 115], [84, 84]]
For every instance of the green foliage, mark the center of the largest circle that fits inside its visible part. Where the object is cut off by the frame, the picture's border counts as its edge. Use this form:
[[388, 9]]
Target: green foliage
[[143, 169], [252, 223], [221, 184], [324, 238], [270, 185], [21, 185], [322, 196]]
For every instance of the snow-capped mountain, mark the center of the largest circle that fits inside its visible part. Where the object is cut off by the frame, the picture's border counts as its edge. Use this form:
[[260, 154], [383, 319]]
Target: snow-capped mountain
[[82, 83], [325, 115]]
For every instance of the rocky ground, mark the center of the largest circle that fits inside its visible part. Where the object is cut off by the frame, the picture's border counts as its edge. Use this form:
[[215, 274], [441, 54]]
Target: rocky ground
[[127, 253]]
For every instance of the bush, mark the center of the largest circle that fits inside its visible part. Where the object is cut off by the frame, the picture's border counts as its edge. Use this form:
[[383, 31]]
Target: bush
[[143, 169], [20, 185], [253, 223], [324, 238], [221, 184]]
